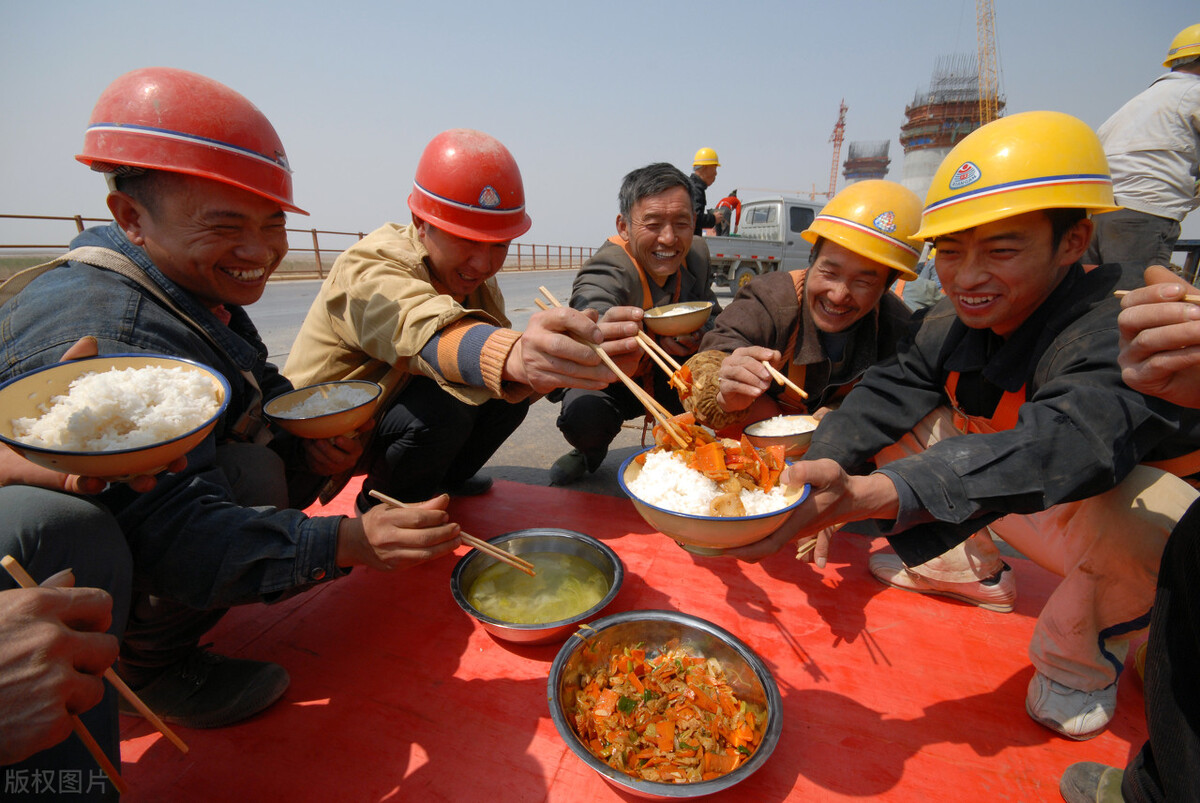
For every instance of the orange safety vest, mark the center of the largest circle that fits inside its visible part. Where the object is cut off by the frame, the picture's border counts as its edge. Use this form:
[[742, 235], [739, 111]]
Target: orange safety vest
[[789, 400], [646, 376]]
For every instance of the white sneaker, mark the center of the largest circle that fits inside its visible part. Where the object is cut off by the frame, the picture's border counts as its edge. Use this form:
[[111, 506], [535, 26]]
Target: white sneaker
[[888, 569], [1073, 713]]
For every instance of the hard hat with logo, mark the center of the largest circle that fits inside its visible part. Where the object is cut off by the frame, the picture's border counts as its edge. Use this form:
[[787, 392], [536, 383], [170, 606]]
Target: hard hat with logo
[[1185, 45], [162, 118], [705, 156], [875, 219], [468, 184], [1018, 164]]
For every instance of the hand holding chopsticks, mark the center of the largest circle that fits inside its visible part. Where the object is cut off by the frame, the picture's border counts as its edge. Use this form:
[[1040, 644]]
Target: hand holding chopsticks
[[483, 546], [782, 379]]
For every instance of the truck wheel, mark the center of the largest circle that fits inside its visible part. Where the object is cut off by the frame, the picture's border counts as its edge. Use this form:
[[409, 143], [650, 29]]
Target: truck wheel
[[742, 277]]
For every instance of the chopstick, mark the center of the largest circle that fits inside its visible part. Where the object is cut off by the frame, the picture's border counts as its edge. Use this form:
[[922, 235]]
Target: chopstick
[[783, 380], [1190, 297], [806, 547], [478, 543], [659, 412], [18, 573]]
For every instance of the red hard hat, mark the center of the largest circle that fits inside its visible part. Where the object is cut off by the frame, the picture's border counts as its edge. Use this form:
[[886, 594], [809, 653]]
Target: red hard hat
[[468, 184], [167, 119]]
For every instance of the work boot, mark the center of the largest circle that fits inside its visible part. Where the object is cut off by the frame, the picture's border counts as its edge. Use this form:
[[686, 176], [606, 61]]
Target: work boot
[[996, 593], [1089, 782], [206, 690], [569, 468], [1076, 714], [471, 486]]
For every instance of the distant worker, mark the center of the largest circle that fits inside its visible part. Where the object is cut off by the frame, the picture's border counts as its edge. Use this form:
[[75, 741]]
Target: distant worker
[[729, 204], [654, 259], [1153, 149], [416, 308], [925, 290], [704, 173], [823, 326]]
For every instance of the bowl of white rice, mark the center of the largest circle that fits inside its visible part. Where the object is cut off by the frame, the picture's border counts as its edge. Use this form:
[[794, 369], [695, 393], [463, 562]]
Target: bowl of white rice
[[113, 416], [674, 320], [793, 432], [325, 410], [676, 499]]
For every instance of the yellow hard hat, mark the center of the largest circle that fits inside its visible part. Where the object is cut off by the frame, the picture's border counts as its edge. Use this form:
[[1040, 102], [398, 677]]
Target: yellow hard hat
[[705, 156], [875, 219], [1185, 45], [1014, 165]]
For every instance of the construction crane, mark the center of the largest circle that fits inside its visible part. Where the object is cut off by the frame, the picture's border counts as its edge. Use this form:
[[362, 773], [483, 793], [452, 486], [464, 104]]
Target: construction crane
[[839, 133], [989, 79]]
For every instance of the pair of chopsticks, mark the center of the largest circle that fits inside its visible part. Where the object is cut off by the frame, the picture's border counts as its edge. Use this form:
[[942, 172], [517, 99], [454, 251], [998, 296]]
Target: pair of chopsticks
[[782, 379], [502, 555], [660, 413], [1190, 297], [22, 578]]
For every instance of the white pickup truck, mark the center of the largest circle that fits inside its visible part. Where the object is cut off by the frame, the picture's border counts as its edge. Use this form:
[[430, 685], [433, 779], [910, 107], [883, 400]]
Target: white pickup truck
[[767, 238]]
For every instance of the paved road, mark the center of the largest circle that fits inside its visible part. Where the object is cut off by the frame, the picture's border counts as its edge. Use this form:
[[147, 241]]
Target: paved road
[[525, 457]]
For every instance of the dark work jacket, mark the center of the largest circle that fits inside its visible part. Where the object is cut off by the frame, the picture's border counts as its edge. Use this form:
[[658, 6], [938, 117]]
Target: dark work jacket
[[1079, 433], [704, 218]]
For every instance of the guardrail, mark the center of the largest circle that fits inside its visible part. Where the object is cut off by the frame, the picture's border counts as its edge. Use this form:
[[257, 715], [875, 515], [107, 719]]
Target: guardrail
[[521, 256]]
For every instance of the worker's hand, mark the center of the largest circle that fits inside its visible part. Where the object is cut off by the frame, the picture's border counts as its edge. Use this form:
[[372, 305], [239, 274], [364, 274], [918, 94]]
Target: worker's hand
[[329, 457], [683, 345], [834, 498], [743, 377], [388, 537], [620, 326], [1160, 339], [553, 352], [16, 470], [53, 652]]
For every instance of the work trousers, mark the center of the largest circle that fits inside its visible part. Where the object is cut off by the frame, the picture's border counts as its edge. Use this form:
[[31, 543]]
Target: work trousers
[[47, 531], [591, 419], [1168, 766], [428, 441], [1106, 548]]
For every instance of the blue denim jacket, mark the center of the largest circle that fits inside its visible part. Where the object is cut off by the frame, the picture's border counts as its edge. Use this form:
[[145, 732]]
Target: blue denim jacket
[[191, 542]]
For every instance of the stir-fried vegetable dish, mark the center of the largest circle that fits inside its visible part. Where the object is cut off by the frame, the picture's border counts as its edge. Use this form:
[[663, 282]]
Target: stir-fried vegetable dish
[[671, 718]]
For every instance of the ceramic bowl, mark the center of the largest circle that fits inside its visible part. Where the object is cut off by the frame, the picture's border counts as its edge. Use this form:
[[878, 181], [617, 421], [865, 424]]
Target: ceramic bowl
[[674, 320], [795, 444], [328, 425]]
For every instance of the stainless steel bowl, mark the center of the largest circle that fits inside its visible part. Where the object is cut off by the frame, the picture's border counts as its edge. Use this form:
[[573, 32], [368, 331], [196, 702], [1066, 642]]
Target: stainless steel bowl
[[655, 631], [524, 542]]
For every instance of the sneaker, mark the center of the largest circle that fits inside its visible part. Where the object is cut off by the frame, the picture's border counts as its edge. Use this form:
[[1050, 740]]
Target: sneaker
[[206, 690], [997, 593], [471, 486], [569, 468], [1089, 782], [1076, 714]]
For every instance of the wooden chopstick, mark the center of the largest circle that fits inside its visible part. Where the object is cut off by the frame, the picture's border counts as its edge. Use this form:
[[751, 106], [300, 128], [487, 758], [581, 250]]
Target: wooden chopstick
[[478, 543], [805, 548], [18, 573], [783, 380], [649, 402], [1190, 297], [650, 342]]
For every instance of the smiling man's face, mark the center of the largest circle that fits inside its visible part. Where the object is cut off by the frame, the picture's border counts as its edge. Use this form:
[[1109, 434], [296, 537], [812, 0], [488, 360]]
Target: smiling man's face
[[659, 231]]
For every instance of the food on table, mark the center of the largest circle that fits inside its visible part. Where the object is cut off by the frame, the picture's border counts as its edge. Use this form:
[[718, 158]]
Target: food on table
[[333, 399], [784, 425], [671, 717], [711, 476], [564, 587], [122, 408]]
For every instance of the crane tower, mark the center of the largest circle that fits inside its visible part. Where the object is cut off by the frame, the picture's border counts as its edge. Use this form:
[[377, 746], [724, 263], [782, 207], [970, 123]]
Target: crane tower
[[839, 133], [989, 77]]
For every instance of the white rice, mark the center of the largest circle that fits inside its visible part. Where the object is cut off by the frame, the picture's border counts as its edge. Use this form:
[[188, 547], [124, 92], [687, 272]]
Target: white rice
[[340, 397], [122, 408], [666, 481], [680, 310], [783, 425]]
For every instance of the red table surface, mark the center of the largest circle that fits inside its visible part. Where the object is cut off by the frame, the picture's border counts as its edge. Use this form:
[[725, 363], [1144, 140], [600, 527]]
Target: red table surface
[[397, 694]]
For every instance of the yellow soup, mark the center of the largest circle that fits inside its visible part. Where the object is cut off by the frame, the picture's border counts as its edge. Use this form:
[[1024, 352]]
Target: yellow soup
[[565, 586]]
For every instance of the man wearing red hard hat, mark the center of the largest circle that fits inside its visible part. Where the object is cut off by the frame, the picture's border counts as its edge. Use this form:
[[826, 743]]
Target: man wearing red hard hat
[[200, 187], [417, 309]]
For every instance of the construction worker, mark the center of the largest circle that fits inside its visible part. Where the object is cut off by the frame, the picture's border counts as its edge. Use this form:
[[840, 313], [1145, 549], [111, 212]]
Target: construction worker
[[417, 309], [704, 173], [823, 326], [1153, 149], [199, 190], [1159, 340], [653, 259], [1006, 409], [731, 208]]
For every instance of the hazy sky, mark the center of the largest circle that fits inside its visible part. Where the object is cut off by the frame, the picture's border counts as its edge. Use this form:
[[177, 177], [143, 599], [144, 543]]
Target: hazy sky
[[579, 92]]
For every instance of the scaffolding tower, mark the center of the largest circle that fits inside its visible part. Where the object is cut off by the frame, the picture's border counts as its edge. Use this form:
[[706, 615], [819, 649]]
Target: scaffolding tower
[[867, 160]]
